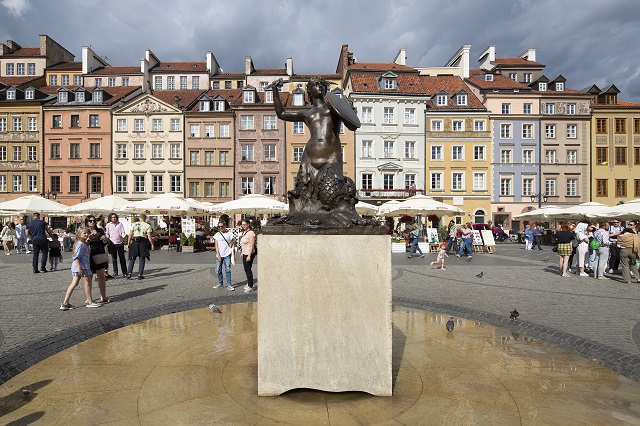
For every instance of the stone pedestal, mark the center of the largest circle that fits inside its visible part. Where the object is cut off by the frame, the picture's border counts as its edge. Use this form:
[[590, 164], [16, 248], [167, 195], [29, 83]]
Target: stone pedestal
[[324, 313]]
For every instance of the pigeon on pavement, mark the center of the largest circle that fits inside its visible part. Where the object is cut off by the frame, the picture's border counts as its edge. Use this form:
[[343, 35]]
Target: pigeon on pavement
[[480, 275], [450, 325], [514, 314]]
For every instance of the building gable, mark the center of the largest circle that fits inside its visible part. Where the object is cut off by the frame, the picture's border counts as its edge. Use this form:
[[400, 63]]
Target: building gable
[[147, 105]]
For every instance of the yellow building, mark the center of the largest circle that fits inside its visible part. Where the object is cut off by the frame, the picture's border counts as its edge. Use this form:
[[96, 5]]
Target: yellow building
[[64, 74], [615, 147]]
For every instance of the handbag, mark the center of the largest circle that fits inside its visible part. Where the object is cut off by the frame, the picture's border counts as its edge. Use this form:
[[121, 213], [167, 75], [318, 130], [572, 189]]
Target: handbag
[[100, 258]]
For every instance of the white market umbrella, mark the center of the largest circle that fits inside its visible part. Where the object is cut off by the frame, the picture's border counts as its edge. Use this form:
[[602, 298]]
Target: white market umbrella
[[539, 214], [423, 205], [164, 204], [33, 204], [627, 211], [584, 210], [385, 208], [366, 209], [252, 203], [105, 205]]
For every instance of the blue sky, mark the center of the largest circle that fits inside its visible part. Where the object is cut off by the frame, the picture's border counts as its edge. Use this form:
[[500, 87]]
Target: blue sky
[[587, 41]]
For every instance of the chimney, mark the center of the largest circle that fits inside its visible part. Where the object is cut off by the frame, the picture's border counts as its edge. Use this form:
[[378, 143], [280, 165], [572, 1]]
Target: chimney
[[248, 66], [289, 65], [13, 46], [488, 58], [401, 57], [144, 69], [529, 55], [212, 64]]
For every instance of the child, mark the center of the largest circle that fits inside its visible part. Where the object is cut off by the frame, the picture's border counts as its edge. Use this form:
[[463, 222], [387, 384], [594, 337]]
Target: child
[[80, 268], [441, 255], [55, 253], [528, 238]]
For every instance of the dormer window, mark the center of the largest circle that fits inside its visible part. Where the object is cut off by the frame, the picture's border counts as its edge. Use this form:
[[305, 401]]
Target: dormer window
[[97, 95], [298, 99], [559, 87], [542, 87], [218, 106], [441, 100], [461, 99], [268, 96], [205, 106], [63, 97], [389, 83], [263, 85], [29, 94], [488, 77], [11, 94], [80, 96], [249, 97]]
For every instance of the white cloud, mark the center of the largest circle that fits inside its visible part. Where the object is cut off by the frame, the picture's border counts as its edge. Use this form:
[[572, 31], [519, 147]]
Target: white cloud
[[16, 7]]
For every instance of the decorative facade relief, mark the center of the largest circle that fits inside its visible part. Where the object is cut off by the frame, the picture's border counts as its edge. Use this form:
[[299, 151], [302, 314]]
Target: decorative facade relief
[[562, 108], [620, 140], [583, 108], [148, 107], [601, 140]]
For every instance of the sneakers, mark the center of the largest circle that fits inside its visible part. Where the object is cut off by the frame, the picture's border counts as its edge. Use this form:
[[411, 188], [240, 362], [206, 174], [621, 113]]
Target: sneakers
[[128, 276], [66, 306], [409, 257], [570, 271], [217, 286], [611, 271], [566, 275], [141, 277], [28, 252], [248, 289], [230, 288], [421, 256], [584, 274], [93, 305]]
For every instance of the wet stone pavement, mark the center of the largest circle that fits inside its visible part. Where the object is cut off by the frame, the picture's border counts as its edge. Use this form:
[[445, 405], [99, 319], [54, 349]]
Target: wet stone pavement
[[598, 319]]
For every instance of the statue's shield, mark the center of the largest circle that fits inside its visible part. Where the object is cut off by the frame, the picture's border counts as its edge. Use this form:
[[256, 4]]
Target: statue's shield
[[343, 110]]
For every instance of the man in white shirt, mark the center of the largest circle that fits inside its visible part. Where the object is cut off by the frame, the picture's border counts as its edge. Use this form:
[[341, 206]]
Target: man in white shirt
[[224, 243], [114, 230], [21, 237]]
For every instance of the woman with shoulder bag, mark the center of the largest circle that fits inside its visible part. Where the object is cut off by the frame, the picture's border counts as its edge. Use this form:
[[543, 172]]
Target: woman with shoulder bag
[[249, 252], [98, 260], [564, 248], [582, 249], [8, 234]]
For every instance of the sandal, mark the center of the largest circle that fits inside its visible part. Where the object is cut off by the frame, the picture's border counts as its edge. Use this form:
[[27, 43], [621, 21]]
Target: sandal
[[107, 300]]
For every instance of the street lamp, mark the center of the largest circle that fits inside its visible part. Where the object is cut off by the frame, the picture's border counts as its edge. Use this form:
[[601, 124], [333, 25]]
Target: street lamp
[[540, 197], [50, 195]]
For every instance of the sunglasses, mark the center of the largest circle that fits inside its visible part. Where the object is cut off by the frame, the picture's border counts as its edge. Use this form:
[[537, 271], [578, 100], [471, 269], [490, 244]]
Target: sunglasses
[[91, 220]]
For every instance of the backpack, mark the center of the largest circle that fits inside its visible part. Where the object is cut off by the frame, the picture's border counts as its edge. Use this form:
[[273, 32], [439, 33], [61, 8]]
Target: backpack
[[594, 244]]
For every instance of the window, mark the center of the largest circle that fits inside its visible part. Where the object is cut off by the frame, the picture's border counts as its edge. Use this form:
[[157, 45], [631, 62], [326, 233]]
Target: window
[[367, 149], [138, 125], [550, 109], [54, 183], [409, 179], [542, 87], [216, 85], [17, 124], [194, 156], [176, 183], [269, 152], [224, 158], [436, 125], [194, 189], [457, 125], [550, 131], [488, 77], [77, 80], [298, 128], [209, 189], [479, 181], [175, 151], [209, 130], [54, 150], [209, 158], [138, 183], [125, 81], [621, 187], [57, 121], [175, 124], [457, 181], [31, 68], [457, 152], [479, 125], [389, 83], [80, 96], [636, 156], [3, 183], [98, 82], [247, 152], [110, 82], [263, 86], [436, 152], [409, 116], [29, 94], [389, 115], [366, 181], [94, 120], [158, 82], [268, 97], [571, 131], [601, 125], [389, 151], [513, 76], [527, 131], [527, 187], [10, 69], [505, 186], [121, 183], [195, 130], [269, 122], [32, 124], [387, 181], [74, 150], [409, 150], [3, 153], [527, 156], [11, 94], [572, 156], [246, 122], [227, 85], [224, 189], [602, 189], [621, 155], [298, 99], [157, 183], [636, 125], [550, 187], [94, 150], [270, 185], [53, 80], [441, 100], [17, 183], [461, 99], [505, 131], [157, 151], [17, 153], [95, 184], [3, 124], [224, 130], [121, 125], [506, 108], [121, 151], [297, 154], [550, 156], [571, 109], [602, 156], [621, 125], [247, 185], [32, 153], [572, 187], [75, 121], [138, 151], [436, 181], [367, 115], [74, 183], [479, 153], [183, 82], [157, 124], [636, 187], [248, 96], [63, 97], [505, 156], [526, 77]]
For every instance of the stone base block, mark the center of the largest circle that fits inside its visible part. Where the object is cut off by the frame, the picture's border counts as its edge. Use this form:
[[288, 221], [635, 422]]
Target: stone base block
[[324, 313]]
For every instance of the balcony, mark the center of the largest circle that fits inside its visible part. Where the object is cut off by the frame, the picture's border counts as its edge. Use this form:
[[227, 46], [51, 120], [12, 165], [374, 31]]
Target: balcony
[[388, 194]]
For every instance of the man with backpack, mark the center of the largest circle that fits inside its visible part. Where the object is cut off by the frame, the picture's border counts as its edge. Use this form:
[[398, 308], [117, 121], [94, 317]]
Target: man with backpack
[[601, 238]]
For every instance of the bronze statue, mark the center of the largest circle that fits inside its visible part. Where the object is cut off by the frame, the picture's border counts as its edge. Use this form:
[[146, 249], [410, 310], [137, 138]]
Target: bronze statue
[[322, 195]]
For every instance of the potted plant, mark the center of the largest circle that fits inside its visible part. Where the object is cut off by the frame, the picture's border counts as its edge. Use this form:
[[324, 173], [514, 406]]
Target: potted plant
[[187, 243]]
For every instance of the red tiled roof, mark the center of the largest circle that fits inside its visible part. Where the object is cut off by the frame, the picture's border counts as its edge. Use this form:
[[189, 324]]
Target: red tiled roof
[[185, 97], [180, 67], [117, 93], [380, 66], [26, 51], [229, 75], [406, 83], [66, 66], [452, 85], [270, 71], [231, 95], [619, 104], [18, 81], [517, 62], [50, 90], [476, 78], [259, 100], [109, 70], [565, 92]]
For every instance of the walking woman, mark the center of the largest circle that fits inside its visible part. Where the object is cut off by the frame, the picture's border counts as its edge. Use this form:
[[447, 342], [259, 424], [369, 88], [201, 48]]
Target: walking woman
[[564, 237], [8, 235], [249, 251], [414, 237], [99, 259], [452, 232]]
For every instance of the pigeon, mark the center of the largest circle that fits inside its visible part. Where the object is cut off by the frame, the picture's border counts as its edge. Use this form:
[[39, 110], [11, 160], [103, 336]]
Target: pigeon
[[480, 275], [450, 325], [514, 314], [546, 259], [26, 393], [214, 308]]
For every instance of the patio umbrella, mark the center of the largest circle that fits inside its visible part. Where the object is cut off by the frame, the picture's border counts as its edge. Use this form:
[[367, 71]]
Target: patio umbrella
[[584, 210], [105, 205], [33, 204], [539, 214], [164, 204], [252, 203], [385, 208], [366, 209], [626, 211], [423, 205]]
